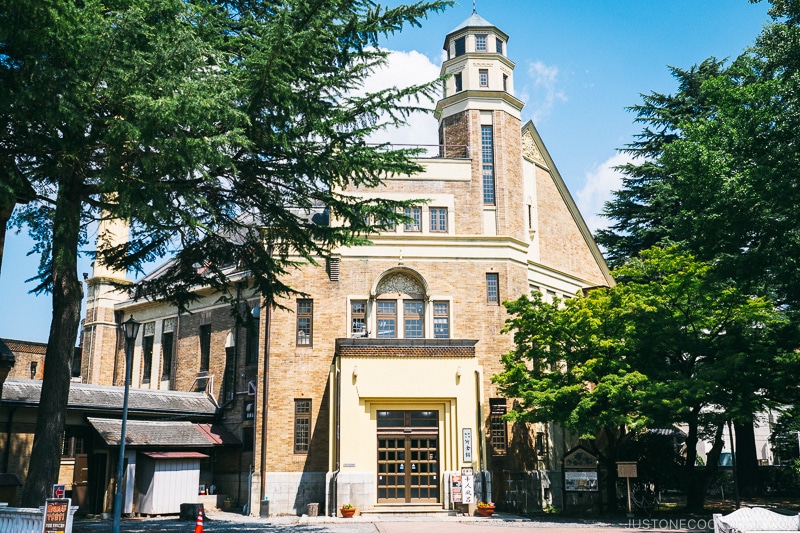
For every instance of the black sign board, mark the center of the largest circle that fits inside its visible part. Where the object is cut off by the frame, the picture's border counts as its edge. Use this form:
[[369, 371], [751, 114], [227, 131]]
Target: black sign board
[[56, 513]]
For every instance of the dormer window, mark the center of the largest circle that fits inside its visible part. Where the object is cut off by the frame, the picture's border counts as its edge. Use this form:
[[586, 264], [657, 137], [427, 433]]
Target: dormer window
[[480, 43]]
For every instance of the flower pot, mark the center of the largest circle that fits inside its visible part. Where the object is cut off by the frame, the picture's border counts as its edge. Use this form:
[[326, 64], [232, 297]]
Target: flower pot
[[348, 513], [485, 511]]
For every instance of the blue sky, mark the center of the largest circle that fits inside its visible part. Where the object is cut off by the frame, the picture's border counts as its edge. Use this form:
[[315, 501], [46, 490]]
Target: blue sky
[[579, 64]]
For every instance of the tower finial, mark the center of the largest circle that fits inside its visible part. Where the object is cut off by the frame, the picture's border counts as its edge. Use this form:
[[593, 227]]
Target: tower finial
[[474, 8]]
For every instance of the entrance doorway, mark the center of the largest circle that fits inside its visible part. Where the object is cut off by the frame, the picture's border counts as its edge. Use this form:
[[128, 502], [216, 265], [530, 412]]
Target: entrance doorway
[[408, 457]]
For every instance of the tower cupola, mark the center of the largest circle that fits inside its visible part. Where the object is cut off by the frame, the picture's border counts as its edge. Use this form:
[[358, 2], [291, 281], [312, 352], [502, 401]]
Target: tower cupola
[[480, 75]]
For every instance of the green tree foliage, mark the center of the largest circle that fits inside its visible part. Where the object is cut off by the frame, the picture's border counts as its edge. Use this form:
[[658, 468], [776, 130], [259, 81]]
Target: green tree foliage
[[212, 128], [785, 437], [669, 344], [715, 171], [716, 163], [569, 366]]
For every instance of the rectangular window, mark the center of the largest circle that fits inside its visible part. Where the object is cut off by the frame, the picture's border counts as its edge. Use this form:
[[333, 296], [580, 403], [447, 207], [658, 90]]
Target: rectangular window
[[252, 330], [72, 443], [461, 47], [305, 322], [441, 320], [387, 319], [358, 318], [147, 357], [541, 444], [302, 426], [498, 45], [483, 75], [415, 214], [497, 407], [487, 161], [205, 347], [480, 43], [492, 288], [459, 82], [505, 82], [439, 219], [167, 341], [412, 317]]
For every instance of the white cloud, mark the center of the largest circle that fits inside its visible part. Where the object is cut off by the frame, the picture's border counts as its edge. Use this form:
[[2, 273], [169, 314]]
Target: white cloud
[[545, 92], [596, 191], [404, 69]]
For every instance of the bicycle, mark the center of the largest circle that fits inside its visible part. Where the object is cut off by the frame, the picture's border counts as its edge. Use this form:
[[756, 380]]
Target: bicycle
[[645, 500]]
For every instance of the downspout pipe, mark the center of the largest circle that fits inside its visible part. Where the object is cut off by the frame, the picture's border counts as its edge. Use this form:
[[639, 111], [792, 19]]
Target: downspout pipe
[[265, 396]]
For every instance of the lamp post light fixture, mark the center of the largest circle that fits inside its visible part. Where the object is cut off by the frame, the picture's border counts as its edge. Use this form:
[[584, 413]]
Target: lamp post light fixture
[[130, 329]]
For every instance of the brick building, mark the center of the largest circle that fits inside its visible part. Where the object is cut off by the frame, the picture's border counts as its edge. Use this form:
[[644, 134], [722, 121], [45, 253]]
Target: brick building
[[375, 387]]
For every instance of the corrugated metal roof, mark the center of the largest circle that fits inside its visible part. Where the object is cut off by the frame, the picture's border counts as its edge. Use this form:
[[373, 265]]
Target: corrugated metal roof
[[176, 455], [106, 398], [154, 433]]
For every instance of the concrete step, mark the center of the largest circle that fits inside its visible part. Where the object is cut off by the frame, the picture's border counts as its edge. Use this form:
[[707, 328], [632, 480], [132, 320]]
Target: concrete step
[[407, 509]]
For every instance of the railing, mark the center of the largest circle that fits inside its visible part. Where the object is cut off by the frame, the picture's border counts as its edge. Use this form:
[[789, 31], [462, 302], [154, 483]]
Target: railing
[[433, 151]]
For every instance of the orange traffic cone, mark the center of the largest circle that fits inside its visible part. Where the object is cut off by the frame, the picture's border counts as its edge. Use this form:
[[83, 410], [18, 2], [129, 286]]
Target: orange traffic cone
[[199, 527]]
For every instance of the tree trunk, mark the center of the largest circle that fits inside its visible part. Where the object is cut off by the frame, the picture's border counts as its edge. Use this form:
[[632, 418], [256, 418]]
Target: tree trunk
[[5, 215], [695, 491], [747, 460], [67, 295]]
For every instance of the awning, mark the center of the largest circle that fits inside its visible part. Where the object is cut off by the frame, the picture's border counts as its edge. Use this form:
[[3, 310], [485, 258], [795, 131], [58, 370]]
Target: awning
[[157, 433]]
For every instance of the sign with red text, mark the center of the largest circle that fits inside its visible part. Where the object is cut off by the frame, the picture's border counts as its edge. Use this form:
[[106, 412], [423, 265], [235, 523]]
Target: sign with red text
[[56, 513]]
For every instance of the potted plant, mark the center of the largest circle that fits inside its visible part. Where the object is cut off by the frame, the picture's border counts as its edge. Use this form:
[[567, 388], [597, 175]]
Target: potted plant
[[347, 510], [485, 508]]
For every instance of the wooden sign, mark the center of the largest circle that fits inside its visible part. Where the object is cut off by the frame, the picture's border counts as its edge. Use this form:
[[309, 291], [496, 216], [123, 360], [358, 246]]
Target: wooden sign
[[627, 469]]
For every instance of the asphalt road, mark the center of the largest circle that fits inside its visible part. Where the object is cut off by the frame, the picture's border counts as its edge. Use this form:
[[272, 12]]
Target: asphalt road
[[220, 522]]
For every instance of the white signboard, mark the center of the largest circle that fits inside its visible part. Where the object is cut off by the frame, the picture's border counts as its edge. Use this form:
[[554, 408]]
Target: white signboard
[[580, 481], [467, 443], [455, 488], [467, 489]]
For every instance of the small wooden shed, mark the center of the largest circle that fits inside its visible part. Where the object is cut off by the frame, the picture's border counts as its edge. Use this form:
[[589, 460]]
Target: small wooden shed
[[165, 480]]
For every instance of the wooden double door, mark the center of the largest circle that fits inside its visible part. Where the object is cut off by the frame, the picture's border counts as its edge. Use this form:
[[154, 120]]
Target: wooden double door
[[408, 463]]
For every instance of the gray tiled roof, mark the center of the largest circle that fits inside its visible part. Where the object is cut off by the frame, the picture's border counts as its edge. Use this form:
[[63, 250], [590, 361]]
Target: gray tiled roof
[[102, 398], [152, 433]]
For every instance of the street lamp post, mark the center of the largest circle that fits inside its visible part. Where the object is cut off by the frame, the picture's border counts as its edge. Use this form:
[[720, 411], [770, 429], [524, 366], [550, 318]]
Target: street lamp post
[[130, 328]]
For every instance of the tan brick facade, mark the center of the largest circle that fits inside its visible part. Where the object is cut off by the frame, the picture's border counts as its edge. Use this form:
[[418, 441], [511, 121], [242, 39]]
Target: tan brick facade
[[531, 237]]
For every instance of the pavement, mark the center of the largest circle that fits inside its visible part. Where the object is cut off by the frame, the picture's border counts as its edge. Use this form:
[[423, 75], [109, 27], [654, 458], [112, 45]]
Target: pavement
[[217, 522]]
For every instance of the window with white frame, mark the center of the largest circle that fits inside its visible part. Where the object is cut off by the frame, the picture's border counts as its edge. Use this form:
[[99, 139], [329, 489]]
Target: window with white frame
[[492, 288], [305, 322], [480, 43], [413, 319], [438, 219], [358, 318], [415, 214], [483, 77], [441, 320], [386, 315]]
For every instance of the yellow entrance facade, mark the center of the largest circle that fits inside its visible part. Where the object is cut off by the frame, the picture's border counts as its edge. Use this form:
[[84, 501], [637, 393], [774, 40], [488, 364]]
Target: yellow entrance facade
[[402, 423]]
